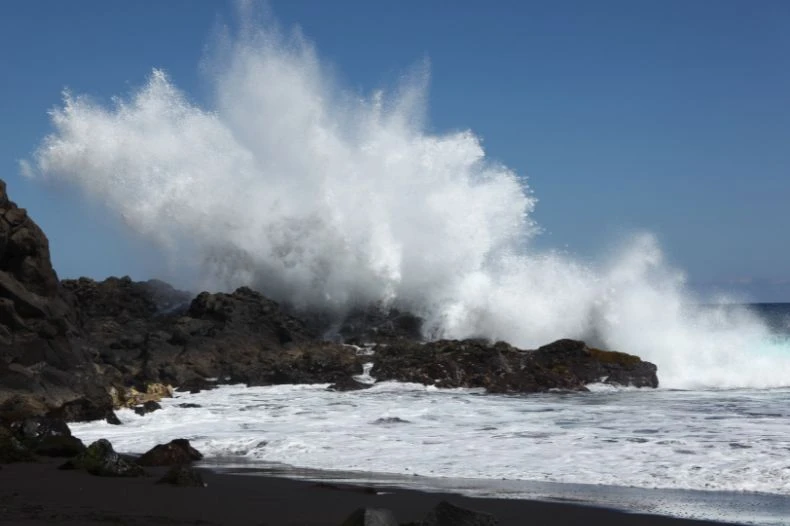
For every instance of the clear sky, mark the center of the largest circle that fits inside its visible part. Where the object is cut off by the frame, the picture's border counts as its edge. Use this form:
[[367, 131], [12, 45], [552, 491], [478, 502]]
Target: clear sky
[[667, 116]]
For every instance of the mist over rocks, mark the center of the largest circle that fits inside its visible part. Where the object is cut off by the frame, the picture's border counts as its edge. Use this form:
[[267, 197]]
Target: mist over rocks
[[77, 348]]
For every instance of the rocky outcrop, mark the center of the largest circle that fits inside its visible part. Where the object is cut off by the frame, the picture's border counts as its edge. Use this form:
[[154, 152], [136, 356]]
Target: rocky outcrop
[[47, 437], [378, 324], [76, 349], [85, 410], [142, 338], [37, 359], [100, 459], [178, 451], [502, 368]]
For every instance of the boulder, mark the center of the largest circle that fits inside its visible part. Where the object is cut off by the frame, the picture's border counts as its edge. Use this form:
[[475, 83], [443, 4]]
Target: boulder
[[86, 410], [371, 517], [175, 452], [184, 476], [348, 384], [47, 437], [59, 446], [446, 514], [100, 459], [147, 407]]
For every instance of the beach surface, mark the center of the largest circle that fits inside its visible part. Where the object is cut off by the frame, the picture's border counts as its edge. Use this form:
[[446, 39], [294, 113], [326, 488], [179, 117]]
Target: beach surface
[[39, 493]]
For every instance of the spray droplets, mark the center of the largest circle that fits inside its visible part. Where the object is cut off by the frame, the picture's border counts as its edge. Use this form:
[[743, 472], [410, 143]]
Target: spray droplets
[[322, 198]]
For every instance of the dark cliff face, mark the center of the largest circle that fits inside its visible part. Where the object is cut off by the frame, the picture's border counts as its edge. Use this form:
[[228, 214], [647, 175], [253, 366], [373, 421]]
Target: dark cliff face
[[71, 342], [36, 321]]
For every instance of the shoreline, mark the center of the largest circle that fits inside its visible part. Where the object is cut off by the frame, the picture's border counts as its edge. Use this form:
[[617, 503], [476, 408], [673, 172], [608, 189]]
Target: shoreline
[[39, 493], [714, 506]]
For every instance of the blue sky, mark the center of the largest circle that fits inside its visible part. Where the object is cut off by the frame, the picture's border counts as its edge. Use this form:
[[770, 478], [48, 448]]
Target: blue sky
[[666, 116]]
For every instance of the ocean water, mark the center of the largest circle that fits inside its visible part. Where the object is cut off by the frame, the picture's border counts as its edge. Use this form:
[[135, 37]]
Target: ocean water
[[320, 196], [706, 453]]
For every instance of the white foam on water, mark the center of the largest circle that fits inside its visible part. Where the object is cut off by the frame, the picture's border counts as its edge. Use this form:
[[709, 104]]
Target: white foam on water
[[721, 441], [320, 196]]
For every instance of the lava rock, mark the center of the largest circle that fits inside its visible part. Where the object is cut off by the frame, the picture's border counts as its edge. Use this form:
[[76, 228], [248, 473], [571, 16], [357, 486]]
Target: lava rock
[[175, 452], [195, 385], [147, 407], [37, 428], [86, 410], [100, 459], [378, 324], [501, 368], [48, 437], [349, 384], [59, 446]]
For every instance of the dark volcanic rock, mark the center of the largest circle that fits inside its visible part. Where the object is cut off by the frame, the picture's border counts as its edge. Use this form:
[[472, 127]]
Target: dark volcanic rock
[[47, 437], [86, 410], [195, 385], [147, 407], [446, 514], [37, 360], [64, 346], [501, 368], [184, 476], [241, 337], [175, 452], [100, 459], [59, 446], [349, 384], [371, 517], [377, 324]]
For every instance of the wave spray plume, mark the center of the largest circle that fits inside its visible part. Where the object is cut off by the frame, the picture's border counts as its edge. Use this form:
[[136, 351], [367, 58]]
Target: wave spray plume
[[325, 199]]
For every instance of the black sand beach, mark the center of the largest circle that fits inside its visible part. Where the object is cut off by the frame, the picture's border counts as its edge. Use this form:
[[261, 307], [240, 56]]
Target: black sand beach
[[39, 493]]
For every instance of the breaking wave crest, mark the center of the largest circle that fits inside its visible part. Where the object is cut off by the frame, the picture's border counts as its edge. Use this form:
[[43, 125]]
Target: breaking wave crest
[[326, 199]]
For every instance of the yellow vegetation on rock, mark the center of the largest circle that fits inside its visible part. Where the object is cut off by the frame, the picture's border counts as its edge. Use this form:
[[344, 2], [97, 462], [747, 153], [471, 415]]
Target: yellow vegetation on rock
[[131, 397]]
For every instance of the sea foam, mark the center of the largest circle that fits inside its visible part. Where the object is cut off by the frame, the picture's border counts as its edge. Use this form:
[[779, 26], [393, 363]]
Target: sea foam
[[324, 198]]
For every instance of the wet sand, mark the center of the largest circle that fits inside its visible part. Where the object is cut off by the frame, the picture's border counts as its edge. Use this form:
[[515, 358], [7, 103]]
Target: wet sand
[[34, 494]]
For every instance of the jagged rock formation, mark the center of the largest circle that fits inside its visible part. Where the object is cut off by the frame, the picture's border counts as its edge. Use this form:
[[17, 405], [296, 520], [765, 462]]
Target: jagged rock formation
[[76, 349], [502, 368], [101, 459], [175, 452], [39, 367]]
